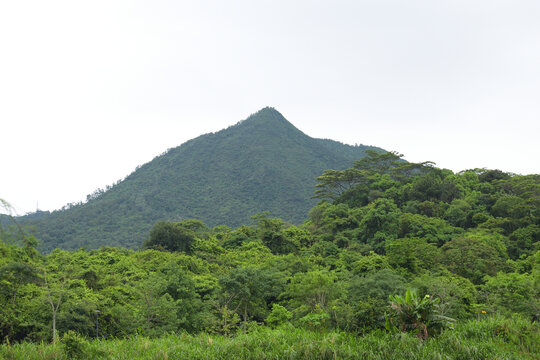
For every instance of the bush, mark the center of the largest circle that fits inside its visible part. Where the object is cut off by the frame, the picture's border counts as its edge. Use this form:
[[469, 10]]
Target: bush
[[74, 345], [279, 316], [316, 320]]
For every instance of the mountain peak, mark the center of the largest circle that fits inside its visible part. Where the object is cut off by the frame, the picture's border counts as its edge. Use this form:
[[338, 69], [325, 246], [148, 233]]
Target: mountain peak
[[266, 114], [268, 119], [269, 111]]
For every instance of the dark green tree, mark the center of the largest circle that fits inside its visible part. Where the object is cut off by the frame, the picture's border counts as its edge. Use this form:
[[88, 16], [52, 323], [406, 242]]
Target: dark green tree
[[247, 290], [379, 224], [472, 258], [173, 236]]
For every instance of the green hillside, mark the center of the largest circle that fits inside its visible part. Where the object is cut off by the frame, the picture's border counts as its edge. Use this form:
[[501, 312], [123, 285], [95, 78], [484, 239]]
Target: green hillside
[[260, 164]]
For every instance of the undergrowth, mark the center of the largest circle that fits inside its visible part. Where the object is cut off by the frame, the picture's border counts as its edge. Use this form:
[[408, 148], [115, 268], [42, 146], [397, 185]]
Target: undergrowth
[[491, 338]]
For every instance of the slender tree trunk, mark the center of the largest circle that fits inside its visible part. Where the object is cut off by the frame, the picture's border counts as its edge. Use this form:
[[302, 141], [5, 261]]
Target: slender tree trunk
[[54, 307], [54, 325], [224, 314], [14, 296], [54, 313], [245, 317]]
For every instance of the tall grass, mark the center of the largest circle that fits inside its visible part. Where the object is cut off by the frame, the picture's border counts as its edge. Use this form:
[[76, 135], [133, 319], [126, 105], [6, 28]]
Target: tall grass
[[493, 338]]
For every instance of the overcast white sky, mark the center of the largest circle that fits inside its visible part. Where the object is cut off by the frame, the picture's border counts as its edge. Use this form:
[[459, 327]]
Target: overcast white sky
[[91, 89]]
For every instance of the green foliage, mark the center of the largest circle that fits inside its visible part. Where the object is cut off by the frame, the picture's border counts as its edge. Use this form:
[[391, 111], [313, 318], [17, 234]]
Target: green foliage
[[271, 232], [412, 254], [369, 296], [459, 214], [510, 293], [249, 289], [278, 316], [370, 263], [375, 173], [78, 315], [228, 322], [472, 258], [436, 231], [75, 347], [494, 338], [457, 295], [524, 241], [172, 236], [379, 224], [316, 320], [313, 291], [410, 313]]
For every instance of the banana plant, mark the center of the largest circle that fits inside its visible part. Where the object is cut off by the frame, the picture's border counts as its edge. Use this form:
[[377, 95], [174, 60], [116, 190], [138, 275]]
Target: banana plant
[[421, 316]]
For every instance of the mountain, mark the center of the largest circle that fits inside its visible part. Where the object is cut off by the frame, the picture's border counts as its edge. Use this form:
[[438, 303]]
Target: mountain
[[260, 164]]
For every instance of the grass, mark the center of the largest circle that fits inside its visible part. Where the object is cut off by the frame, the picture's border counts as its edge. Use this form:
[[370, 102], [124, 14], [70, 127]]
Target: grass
[[492, 338]]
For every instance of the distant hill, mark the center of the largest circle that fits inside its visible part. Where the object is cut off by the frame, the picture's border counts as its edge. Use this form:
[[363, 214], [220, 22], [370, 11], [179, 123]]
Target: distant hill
[[260, 164]]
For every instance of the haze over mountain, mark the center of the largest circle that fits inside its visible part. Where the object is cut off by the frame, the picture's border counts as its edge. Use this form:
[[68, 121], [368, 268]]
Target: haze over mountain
[[260, 164]]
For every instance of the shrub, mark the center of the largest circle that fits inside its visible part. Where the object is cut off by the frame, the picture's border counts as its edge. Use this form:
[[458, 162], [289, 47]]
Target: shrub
[[74, 345], [411, 314], [279, 316]]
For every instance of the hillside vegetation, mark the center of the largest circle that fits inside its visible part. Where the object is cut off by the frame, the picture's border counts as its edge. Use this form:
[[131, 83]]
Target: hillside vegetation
[[424, 260], [260, 164]]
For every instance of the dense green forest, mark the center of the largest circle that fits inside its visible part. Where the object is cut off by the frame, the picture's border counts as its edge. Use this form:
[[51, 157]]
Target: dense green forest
[[395, 255], [260, 164]]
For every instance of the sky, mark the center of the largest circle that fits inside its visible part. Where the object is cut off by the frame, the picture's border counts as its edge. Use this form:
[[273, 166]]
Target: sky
[[91, 89]]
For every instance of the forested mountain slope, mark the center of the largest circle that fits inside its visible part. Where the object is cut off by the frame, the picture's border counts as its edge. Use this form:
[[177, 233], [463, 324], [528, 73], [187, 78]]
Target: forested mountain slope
[[260, 164]]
